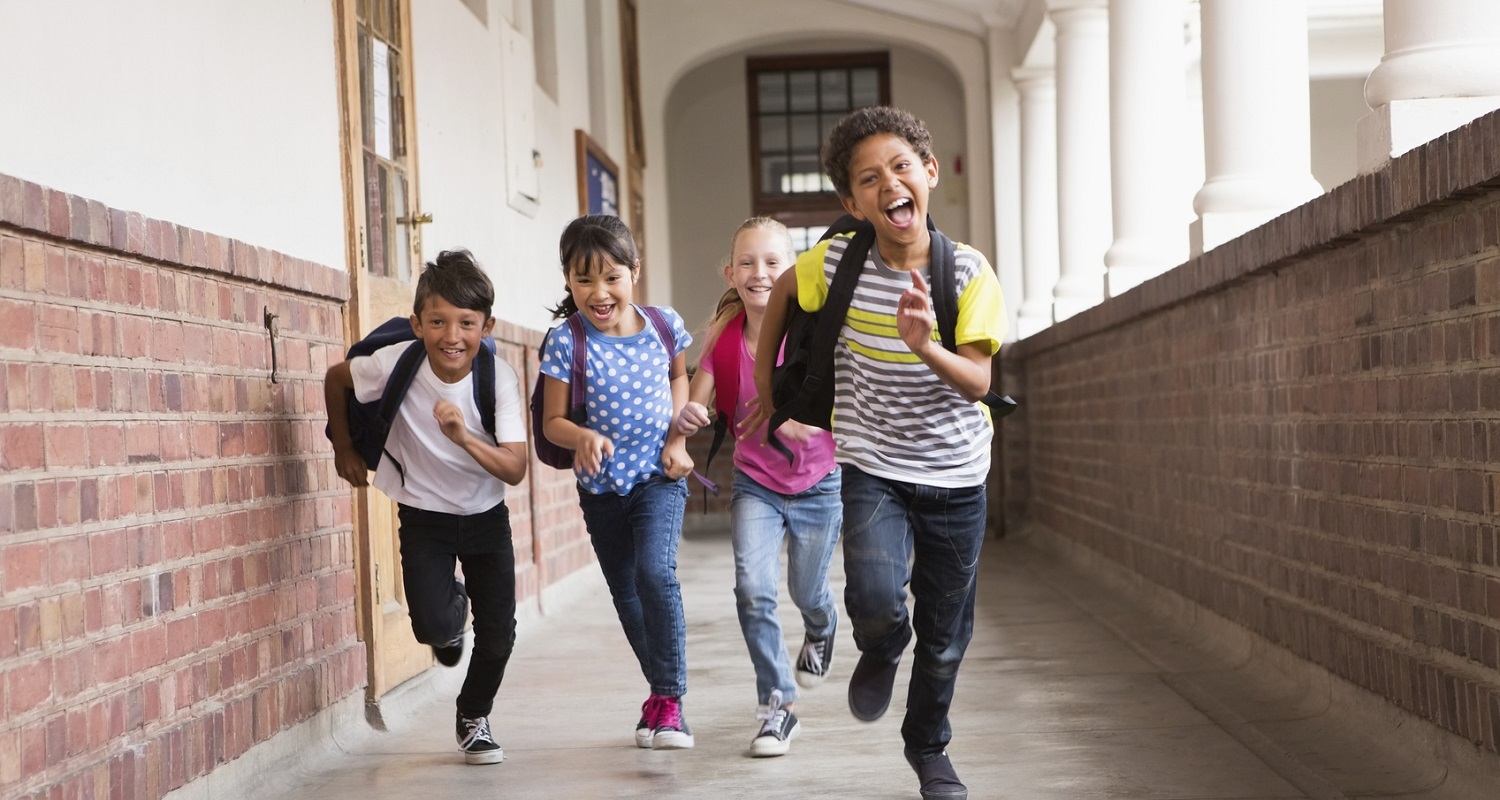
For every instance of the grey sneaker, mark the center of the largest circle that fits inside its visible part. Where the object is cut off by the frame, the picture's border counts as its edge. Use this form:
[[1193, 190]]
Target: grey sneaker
[[778, 728], [474, 739], [814, 660]]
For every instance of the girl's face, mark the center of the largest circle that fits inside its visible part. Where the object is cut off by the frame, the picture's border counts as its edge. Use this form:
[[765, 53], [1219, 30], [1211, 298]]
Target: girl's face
[[603, 291], [760, 256]]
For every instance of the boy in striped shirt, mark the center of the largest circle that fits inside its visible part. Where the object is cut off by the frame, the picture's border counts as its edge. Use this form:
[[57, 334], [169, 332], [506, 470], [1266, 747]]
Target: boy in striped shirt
[[910, 433]]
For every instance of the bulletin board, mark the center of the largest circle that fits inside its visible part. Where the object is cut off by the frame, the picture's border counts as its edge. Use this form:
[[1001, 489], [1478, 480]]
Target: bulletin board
[[598, 178]]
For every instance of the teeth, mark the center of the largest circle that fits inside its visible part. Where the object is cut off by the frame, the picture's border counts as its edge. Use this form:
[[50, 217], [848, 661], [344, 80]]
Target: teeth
[[897, 204]]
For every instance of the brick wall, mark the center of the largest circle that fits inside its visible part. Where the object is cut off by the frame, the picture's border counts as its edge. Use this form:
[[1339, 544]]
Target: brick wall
[[176, 564], [1300, 432]]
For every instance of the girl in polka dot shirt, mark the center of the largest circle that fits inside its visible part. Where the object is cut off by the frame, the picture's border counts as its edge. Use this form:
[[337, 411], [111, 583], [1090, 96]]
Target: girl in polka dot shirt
[[630, 461]]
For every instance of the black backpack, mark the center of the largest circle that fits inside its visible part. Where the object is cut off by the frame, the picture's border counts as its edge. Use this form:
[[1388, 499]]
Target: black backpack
[[802, 385], [370, 423]]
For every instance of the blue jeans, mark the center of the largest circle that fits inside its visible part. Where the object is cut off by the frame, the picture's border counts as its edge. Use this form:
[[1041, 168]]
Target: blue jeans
[[886, 522], [635, 537], [809, 521]]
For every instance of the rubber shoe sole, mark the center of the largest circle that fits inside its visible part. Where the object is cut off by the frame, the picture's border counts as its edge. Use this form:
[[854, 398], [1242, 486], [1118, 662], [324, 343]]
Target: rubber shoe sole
[[939, 781], [769, 746], [484, 757], [671, 740]]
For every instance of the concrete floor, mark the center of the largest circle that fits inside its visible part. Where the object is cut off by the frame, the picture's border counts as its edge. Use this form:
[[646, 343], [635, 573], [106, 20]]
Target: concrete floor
[[1069, 692]]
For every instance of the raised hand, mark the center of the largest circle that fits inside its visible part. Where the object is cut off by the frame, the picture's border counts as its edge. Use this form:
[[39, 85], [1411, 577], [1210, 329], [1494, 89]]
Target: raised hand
[[915, 318]]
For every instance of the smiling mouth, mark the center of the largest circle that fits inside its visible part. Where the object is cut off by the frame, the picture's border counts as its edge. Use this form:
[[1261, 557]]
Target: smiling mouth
[[601, 312], [901, 212]]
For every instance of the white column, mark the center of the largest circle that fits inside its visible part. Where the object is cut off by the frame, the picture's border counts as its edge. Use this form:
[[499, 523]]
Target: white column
[[1083, 195], [1441, 69], [1256, 151], [1038, 197], [1146, 74]]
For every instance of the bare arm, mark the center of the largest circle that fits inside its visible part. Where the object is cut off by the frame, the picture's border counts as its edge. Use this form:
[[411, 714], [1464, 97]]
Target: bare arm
[[967, 371], [337, 385], [674, 456], [694, 414], [590, 448], [772, 331], [506, 460]]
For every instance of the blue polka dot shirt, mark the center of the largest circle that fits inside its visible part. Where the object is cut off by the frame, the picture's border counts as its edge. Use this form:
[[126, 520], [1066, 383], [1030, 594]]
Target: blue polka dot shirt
[[629, 395]]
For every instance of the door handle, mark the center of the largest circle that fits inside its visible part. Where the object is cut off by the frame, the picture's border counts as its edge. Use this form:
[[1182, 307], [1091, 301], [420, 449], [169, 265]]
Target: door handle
[[419, 219]]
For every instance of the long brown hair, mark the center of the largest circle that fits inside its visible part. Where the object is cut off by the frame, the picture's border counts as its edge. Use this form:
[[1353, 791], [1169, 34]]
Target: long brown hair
[[730, 304]]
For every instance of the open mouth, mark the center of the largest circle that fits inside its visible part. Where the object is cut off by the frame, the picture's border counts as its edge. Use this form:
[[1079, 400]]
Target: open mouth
[[454, 353], [901, 212], [601, 312]]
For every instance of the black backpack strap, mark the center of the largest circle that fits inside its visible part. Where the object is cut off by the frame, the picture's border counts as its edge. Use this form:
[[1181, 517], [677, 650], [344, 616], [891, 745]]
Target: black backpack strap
[[396, 387], [944, 282], [576, 410], [826, 335], [484, 385]]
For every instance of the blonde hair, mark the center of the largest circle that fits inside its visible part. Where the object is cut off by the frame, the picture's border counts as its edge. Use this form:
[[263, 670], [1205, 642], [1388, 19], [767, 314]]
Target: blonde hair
[[730, 304]]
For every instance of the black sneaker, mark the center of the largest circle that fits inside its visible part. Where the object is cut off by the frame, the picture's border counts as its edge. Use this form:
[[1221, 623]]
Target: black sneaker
[[814, 660], [939, 781], [870, 687], [450, 653], [475, 740], [671, 732], [777, 729]]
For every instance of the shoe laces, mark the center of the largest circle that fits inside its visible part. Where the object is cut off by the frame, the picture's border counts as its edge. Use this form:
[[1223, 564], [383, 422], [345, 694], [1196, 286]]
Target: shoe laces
[[669, 713], [651, 710], [772, 713], [812, 658], [479, 730]]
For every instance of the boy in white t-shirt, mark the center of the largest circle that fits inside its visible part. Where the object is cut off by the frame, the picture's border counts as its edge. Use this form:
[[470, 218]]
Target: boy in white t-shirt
[[448, 478]]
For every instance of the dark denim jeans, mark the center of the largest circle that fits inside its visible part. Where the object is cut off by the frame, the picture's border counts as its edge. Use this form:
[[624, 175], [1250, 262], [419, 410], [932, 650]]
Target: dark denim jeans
[[430, 543], [635, 537], [886, 522]]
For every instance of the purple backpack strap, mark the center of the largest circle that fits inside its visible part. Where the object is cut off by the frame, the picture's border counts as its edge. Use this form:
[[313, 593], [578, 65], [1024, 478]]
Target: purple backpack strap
[[580, 353], [663, 330]]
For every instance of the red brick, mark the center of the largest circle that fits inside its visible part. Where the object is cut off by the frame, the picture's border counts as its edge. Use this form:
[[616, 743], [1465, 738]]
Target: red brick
[[28, 685], [24, 566], [68, 559], [18, 324], [66, 446], [21, 446]]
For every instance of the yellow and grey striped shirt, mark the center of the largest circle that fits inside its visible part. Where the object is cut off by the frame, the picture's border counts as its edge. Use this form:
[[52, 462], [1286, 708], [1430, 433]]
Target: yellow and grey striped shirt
[[893, 417]]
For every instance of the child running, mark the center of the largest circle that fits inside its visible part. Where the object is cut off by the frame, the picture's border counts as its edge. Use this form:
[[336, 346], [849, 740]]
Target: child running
[[772, 500], [630, 462], [911, 434], [448, 479]]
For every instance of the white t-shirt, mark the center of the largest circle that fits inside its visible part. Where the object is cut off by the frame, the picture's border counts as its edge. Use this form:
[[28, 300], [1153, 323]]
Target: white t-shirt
[[439, 475]]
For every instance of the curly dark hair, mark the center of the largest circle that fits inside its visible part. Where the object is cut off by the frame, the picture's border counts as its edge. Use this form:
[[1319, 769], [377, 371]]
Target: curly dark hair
[[863, 123], [456, 277]]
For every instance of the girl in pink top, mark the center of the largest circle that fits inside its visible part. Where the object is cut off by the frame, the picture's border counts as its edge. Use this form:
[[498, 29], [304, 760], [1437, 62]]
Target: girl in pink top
[[772, 500]]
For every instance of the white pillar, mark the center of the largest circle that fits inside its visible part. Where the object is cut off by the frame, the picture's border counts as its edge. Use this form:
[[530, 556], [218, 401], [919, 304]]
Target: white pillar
[[1083, 195], [1441, 69], [1257, 155], [1038, 197], [1146, 74]]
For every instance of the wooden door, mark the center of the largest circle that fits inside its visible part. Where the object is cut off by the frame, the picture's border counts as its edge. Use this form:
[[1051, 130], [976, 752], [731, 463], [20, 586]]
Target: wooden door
[[384, 248]]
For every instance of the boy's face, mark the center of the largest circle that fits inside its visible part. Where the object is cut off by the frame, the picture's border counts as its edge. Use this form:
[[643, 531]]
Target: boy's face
[[452, 336], [888, 186]]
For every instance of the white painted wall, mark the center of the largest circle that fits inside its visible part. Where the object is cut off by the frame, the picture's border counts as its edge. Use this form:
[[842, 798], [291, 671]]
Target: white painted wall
[[461, 105], [218, 116], [677, 37], [708, 166]]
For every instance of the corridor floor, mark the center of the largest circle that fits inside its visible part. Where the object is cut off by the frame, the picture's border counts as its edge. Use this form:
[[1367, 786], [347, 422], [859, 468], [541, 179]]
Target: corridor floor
[[1069, 692]]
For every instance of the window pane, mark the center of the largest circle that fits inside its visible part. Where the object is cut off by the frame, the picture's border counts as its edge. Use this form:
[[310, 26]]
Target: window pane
[[772, 169], [805, 133], [398, 107], [772, 89], [804, 90], [360, 10], [375, 224], [865, 83], [366, 99], [773, 133], [394, 22], [828, 121], [401, 247], [834, 91]]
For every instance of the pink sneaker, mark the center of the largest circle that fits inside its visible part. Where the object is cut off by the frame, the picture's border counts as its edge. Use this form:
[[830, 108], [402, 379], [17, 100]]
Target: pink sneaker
[[647, 726], [671, 731]]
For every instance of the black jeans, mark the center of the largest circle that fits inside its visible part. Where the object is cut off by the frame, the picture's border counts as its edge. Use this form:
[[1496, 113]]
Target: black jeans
[[431, 542]]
